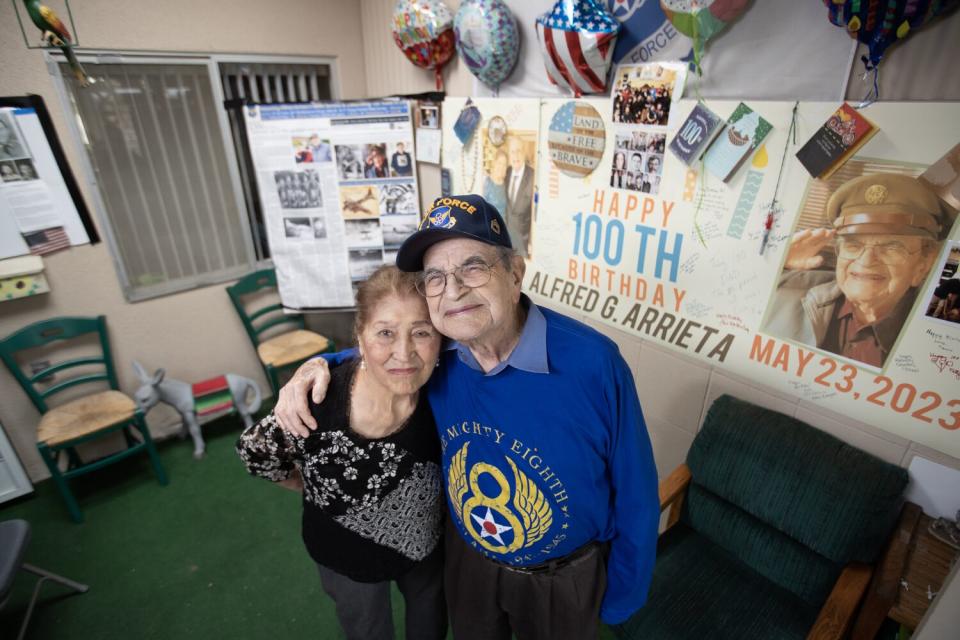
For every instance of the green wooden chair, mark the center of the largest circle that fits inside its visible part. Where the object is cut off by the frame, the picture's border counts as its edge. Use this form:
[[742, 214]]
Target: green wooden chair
[[276, 352], [81, 419], [774, 530]]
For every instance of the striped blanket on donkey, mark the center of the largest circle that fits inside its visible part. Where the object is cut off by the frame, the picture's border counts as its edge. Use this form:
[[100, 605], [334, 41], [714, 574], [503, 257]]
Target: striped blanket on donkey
[[208, 399]]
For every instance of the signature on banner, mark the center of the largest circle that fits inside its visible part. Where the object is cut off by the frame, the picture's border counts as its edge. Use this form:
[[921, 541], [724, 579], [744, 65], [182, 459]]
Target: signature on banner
[[946, 363]]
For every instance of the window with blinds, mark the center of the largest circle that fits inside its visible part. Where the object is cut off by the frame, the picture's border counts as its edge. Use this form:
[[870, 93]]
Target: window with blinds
[[155, 143], [269, 83], [178, 199]]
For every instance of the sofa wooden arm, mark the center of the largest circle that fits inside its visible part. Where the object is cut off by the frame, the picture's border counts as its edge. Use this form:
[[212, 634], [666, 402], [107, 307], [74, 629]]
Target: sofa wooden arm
[[837, 612], [672, 490], [886, 579]]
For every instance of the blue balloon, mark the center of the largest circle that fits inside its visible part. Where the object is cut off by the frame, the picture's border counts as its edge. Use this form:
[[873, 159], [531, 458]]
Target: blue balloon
[[487, 39]]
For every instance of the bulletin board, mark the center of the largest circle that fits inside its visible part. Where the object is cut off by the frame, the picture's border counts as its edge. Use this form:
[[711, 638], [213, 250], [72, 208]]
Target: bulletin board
[[338, 189], [41, 208], [682, 266]]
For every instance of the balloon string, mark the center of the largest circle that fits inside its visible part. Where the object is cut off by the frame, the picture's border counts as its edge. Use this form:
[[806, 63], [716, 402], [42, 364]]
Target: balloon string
[[874, 94]]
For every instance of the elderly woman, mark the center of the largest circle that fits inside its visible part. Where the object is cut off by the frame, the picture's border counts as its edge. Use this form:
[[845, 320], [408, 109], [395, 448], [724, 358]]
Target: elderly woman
[[370, 475]]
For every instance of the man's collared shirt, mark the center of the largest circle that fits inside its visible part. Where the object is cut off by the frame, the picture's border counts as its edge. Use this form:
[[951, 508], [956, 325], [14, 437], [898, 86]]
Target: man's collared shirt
[[867, 343], [530, 354]]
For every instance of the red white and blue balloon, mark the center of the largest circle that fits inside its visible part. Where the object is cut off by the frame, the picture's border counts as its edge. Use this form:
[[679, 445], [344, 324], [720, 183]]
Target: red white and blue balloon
[[487, 39], [577, 39]]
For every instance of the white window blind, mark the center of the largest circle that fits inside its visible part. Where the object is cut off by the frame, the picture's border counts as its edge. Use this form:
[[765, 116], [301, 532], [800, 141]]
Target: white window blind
[[157, 150], [269, 83]]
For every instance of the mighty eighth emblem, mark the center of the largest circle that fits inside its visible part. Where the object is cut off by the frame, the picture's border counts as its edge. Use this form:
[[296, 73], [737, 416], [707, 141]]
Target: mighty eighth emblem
[[478, 513]]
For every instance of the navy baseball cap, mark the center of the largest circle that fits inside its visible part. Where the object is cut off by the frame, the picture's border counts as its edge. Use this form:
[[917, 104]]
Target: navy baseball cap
[[468, 216]]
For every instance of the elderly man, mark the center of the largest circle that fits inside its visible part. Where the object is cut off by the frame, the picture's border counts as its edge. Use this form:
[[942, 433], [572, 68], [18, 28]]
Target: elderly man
[[886, 231], [519, 182], [550, 479]]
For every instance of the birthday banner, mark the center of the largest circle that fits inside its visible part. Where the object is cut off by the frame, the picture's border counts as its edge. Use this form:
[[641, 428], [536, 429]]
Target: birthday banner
[[683, 266]]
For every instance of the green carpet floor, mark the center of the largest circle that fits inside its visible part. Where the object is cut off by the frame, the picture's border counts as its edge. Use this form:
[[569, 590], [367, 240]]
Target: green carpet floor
[[215, 554]]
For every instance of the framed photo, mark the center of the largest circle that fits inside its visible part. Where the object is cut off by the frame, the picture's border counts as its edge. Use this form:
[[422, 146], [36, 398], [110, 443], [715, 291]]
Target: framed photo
[[428, 116]]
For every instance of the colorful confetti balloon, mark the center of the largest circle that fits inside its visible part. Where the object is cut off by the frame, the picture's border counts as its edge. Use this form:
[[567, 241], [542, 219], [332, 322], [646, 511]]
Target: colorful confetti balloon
[[700, 20], [880, 23], [487, 39], [423, 29], [577, 39]]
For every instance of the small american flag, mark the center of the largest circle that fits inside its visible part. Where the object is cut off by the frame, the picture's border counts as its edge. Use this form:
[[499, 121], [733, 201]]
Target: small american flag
[[47, 241], [577, 39]]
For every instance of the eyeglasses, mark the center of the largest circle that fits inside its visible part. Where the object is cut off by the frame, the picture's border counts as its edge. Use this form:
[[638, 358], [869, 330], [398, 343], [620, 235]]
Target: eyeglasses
[[889, 253], [473, 274]]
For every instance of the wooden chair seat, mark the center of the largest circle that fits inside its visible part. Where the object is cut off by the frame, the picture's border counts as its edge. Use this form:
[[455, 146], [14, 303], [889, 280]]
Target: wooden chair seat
[[84, 416], [291, 347]]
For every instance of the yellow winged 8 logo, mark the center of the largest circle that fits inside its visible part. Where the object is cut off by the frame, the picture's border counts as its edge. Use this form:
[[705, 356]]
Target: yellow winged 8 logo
[[528, 515]]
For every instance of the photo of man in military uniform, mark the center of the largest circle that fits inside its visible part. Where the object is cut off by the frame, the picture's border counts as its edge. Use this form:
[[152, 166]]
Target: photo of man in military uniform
[[885, 232]]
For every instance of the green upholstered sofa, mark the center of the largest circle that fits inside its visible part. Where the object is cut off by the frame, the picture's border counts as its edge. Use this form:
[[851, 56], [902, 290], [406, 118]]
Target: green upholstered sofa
[[773, 531]]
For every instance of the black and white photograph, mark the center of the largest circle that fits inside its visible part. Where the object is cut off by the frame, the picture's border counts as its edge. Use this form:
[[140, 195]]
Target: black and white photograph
[[319, 228], [397, 199], [27, 170], [349, 161], [298, 189], [11, 145], [429, 116], [362, 233], [297, 228], [638, 161], [363, 262], [396, 229], [8, 171]]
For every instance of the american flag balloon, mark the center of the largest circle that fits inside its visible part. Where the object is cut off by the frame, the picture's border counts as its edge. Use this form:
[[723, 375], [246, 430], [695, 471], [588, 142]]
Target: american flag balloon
[[576, 39]]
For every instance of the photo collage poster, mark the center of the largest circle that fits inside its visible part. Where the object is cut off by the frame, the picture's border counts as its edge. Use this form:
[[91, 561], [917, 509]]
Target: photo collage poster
[[683, 268], [641, 100], [339, 193], [499, 161]]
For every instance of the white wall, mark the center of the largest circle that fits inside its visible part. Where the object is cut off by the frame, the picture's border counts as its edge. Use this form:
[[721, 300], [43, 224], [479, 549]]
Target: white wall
[[196, 334]]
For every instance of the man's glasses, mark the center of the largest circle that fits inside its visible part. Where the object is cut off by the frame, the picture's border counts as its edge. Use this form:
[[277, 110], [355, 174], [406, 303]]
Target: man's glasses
[[472, 274], [889, 253]]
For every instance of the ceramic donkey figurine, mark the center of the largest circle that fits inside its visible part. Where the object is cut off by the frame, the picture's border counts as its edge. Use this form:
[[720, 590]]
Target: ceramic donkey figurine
[[178, 394]]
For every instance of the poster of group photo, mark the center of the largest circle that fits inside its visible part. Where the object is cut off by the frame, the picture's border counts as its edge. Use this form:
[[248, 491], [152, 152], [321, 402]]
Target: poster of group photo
[[498, 161], [842, 291], [339, 193]]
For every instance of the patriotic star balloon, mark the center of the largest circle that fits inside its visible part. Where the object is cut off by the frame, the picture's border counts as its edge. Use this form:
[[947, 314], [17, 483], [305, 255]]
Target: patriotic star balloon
[[576, 39], [423, 29]]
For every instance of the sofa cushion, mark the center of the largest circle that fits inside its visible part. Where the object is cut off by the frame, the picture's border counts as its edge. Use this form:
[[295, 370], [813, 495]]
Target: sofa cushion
[[774, 555], [701, 591], [829, 496]]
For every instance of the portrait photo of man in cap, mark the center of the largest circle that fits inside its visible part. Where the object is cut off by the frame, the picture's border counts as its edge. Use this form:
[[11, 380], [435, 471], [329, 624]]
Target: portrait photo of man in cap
[[848, 287]]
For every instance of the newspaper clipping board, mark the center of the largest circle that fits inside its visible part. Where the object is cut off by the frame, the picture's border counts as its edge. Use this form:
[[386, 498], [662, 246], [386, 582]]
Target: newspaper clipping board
[[682, 266], [339, 193], [38, 214]]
